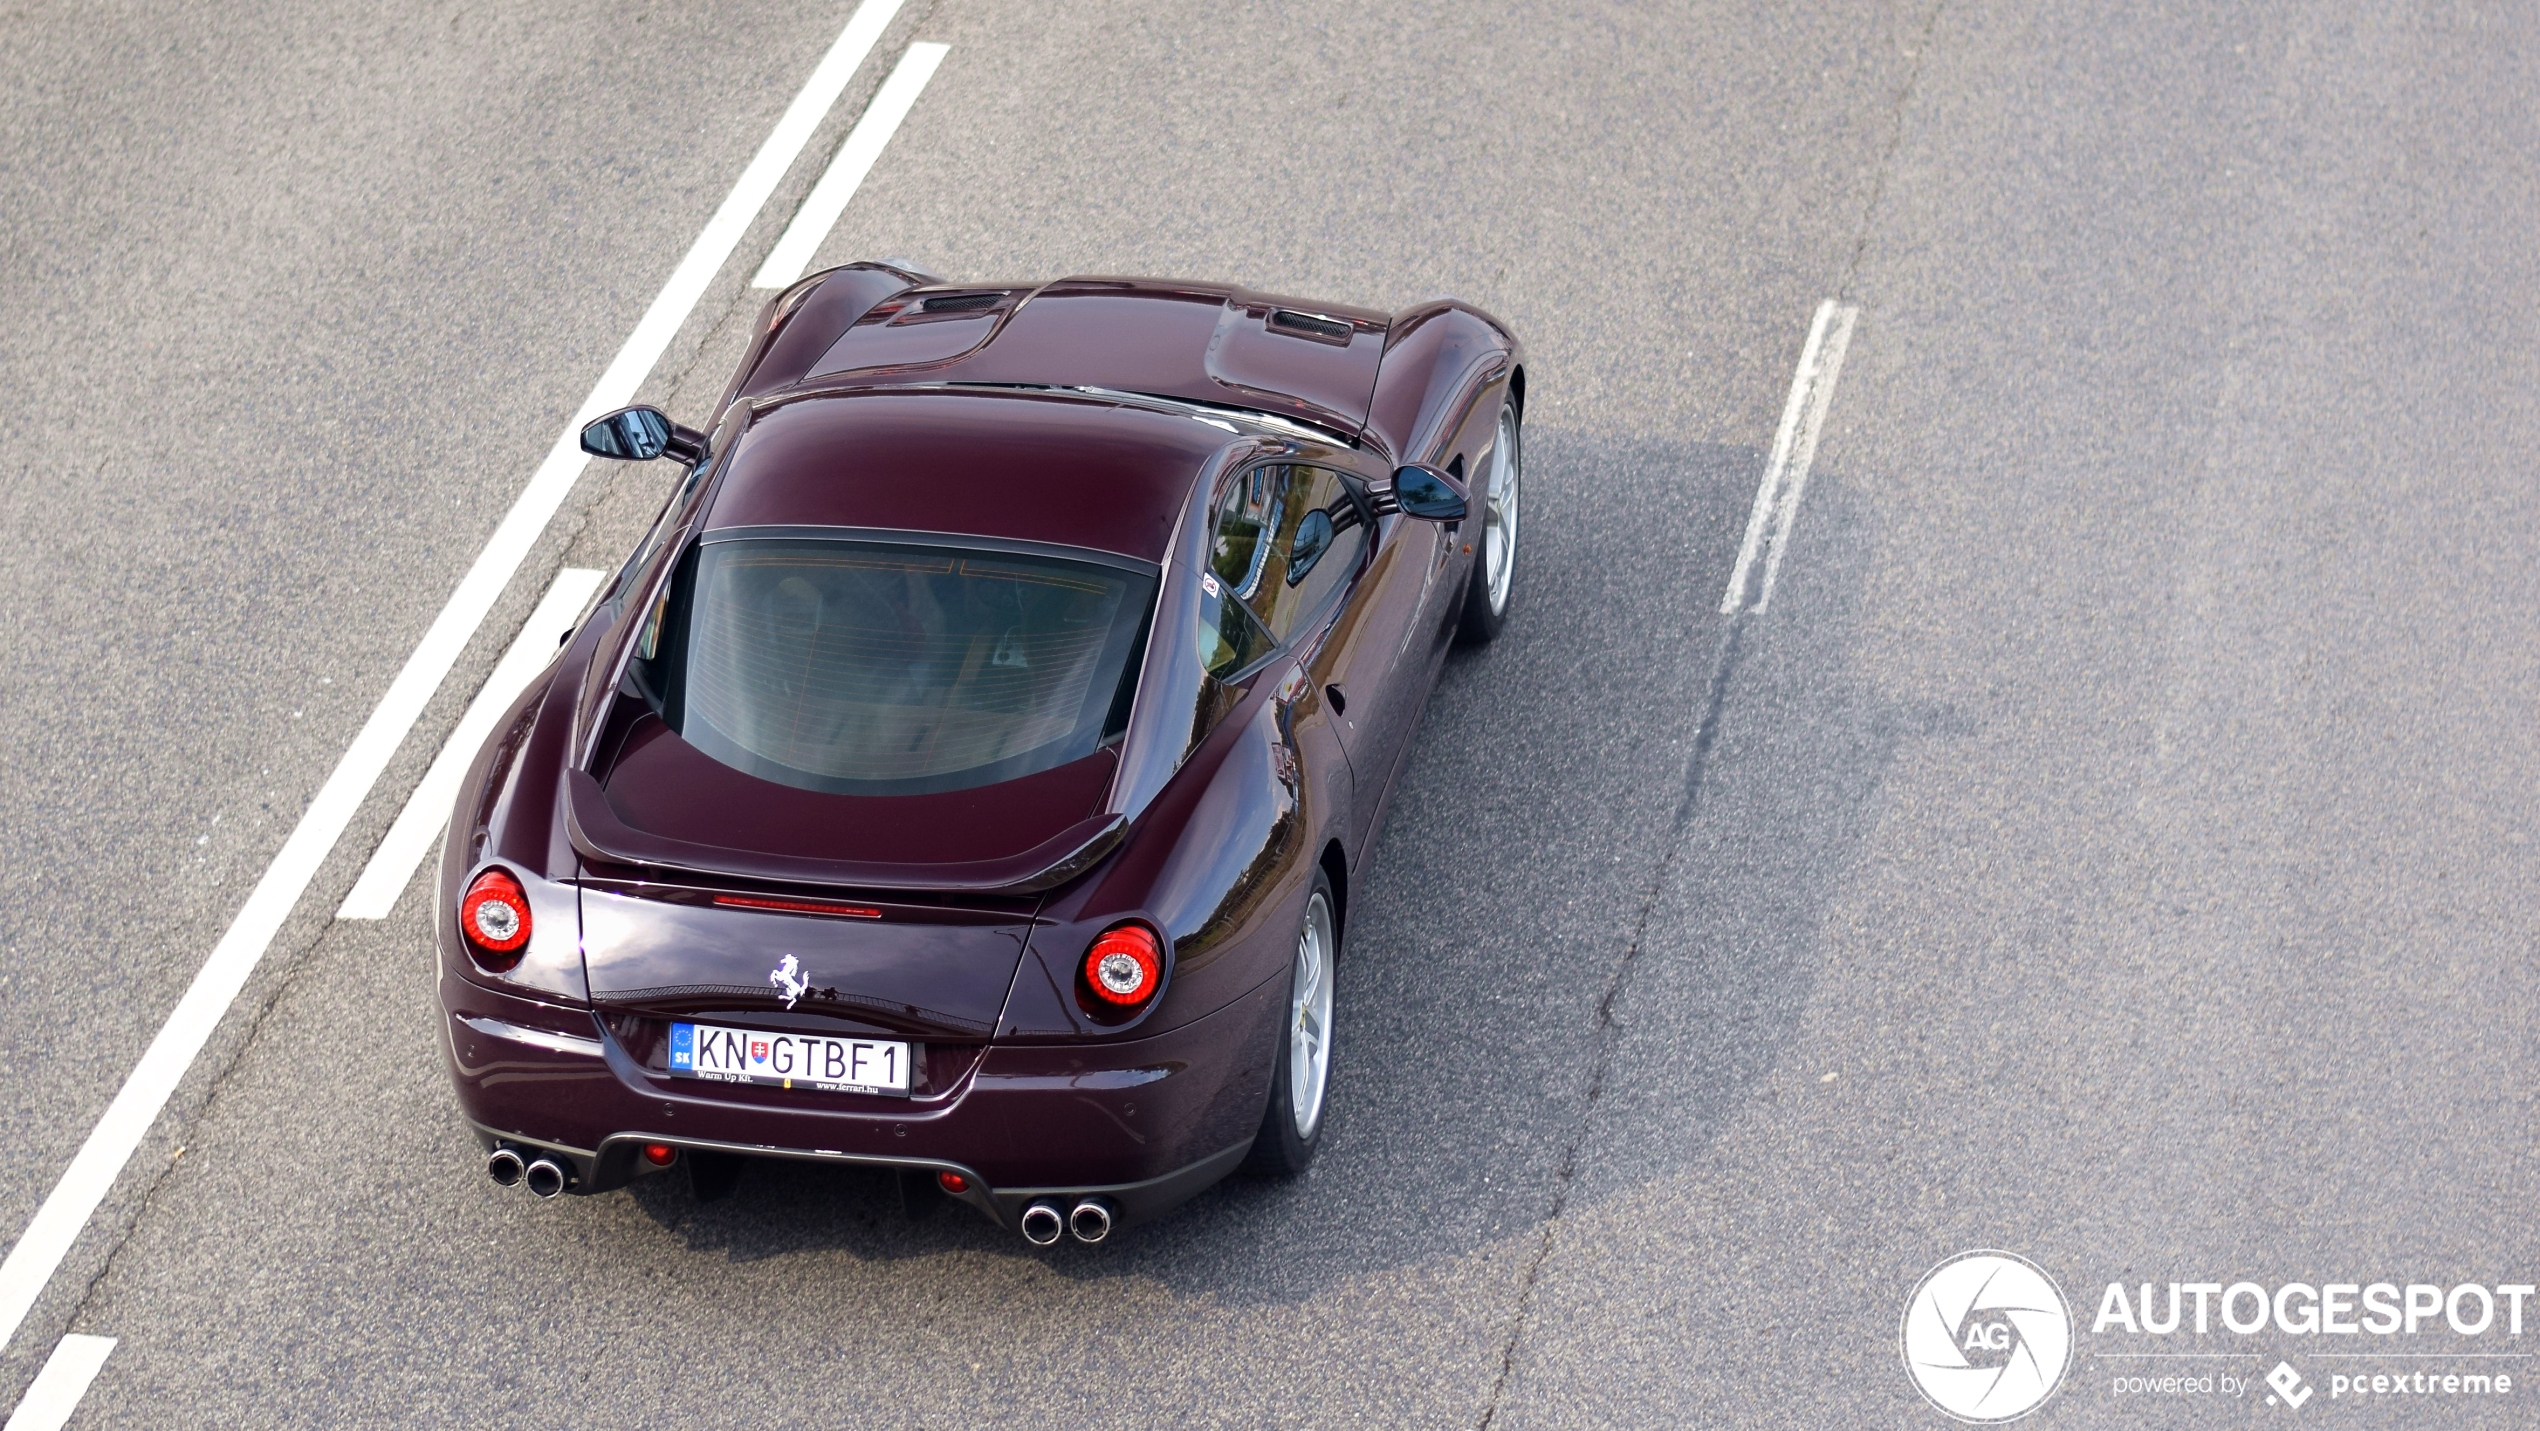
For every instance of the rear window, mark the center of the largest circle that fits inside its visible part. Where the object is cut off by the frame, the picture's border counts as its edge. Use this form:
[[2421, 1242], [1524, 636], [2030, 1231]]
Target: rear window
[[872, 668]]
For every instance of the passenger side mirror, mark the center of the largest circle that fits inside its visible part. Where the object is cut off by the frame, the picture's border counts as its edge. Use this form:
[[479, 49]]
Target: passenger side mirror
[[640, 434], [1422, 491]]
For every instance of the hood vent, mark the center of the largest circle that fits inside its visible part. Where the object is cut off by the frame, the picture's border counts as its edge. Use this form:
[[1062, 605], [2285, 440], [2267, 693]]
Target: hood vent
[[961, 302], [1308, 325]]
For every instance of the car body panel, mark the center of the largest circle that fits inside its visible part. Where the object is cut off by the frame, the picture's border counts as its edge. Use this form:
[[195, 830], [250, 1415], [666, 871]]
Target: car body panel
[[1022, 1115]]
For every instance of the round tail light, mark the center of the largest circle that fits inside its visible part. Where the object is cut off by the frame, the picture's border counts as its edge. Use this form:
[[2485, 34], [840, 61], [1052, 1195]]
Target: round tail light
[[1124, 966], [494, 915], [660, 1155], [953, 1183]]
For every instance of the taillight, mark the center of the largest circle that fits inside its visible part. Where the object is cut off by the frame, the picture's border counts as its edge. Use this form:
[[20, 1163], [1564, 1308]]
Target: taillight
[[1124, 966], [494, 915]]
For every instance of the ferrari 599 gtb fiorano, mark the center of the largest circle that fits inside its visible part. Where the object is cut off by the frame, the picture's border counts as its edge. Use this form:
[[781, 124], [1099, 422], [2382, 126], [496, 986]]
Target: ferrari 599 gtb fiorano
[[971, 771]]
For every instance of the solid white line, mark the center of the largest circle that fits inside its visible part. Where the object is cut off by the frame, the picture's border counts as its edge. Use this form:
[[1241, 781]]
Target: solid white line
[[48, 1404], [865, 143], [392, 865], [1794, 447], [92, 1172]]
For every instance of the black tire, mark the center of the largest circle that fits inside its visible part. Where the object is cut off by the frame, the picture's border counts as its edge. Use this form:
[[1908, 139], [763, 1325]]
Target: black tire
[[1495, 510], [1280, 1149]]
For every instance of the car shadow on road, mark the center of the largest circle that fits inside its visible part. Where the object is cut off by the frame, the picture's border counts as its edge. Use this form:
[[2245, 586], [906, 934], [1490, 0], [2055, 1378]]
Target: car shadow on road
[[1522, 894]]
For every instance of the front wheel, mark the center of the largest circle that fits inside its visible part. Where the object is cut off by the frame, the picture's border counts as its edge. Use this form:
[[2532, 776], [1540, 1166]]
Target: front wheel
[[1487, 597], [1301, 1072]]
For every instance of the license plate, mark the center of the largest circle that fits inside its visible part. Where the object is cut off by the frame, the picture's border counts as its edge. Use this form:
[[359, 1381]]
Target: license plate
[[791, 1060]]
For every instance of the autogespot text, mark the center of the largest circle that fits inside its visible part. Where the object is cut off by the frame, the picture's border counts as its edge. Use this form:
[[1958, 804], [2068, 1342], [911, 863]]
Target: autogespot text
[[2300, 1309]]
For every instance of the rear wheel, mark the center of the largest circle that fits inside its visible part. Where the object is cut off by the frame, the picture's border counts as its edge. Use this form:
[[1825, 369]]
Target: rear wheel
[[1493, 586], [1301, 1073]]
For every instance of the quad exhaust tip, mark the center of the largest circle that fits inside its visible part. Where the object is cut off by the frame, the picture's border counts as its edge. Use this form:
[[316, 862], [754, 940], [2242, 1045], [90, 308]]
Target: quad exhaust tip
[[1042, 1225], [1090, 1220], [546, 1178], [504, 1166]]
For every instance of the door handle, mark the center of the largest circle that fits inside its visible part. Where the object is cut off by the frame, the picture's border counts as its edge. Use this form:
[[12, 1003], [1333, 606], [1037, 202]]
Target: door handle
[[1338, 697]]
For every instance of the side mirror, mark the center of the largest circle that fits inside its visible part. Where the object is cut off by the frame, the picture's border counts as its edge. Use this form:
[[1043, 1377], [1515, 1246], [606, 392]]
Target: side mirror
[[1313, 538], [1423, 491], [640, 434]]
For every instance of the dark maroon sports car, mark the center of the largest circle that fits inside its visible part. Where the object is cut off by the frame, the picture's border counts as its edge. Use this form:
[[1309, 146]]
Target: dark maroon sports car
[[971, 772]]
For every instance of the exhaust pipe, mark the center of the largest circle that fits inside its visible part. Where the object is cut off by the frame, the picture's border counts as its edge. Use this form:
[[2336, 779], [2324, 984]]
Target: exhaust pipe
[[504, 1166], [1042, 1224], [1090, 1220], [546, 1177]]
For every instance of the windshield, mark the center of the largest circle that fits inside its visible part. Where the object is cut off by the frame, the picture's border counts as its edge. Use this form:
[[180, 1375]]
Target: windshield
[[872, 668]]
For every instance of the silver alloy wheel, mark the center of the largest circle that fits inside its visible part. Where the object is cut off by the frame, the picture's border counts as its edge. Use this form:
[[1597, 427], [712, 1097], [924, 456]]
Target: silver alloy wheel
[[1310, 1017], [1499, 514]]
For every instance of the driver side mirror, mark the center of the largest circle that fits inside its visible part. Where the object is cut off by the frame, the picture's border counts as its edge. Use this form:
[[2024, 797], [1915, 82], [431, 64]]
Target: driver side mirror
[[640, 434], [1422, 491]]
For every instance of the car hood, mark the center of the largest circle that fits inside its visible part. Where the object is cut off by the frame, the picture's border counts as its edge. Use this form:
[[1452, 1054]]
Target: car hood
[[1204, 343]]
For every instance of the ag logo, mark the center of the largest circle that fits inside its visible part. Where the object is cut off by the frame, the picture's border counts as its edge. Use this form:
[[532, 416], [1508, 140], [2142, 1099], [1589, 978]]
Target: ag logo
[[1987, 1336]]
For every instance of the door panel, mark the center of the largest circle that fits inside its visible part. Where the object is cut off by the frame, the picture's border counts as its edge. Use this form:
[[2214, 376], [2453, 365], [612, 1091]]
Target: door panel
[[1376, 656], [1291, 545]]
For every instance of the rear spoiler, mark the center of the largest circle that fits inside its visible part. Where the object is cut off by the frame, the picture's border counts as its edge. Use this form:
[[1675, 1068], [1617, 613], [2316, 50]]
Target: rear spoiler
[[599, 834]]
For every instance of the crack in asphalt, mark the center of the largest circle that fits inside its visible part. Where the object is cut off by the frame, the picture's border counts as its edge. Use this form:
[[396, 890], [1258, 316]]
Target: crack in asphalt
[[1724, 663], [1887, 157]]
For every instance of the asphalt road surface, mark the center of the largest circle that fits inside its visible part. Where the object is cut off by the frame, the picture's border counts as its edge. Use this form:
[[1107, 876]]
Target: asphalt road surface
[[2112, 843]]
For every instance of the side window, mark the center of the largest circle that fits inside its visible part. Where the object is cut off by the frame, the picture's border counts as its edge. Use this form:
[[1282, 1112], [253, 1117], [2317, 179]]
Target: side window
[[1230, 638], [1315, 554], [1239, 543], [1247, 517], [1286, 539]]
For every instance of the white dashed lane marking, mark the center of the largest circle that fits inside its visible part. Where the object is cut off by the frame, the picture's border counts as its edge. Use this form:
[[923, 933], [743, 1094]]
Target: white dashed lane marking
[[75, 1362], [871, 135], [392, 865], [1794, 450]]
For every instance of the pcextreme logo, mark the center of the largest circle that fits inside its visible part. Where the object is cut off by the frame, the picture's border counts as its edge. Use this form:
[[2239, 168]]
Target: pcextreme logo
[[1987, 1336]]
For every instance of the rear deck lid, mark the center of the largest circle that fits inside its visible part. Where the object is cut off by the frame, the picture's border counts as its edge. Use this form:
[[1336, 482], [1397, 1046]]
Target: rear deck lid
[[680, 949]]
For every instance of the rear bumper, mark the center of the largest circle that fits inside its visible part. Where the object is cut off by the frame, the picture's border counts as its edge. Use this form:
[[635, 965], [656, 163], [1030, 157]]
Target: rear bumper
[[1147, 1123]]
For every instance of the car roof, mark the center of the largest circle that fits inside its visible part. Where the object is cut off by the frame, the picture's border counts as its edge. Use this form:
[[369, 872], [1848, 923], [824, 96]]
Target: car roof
[[1016, 465]]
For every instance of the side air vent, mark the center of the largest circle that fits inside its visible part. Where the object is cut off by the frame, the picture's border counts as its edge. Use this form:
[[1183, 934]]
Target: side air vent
[[961, 302], [1307, 325]]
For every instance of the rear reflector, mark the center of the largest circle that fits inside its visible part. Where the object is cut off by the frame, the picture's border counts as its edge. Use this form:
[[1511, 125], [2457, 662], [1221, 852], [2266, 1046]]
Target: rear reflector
[[953, 1183], [660, 1155]]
